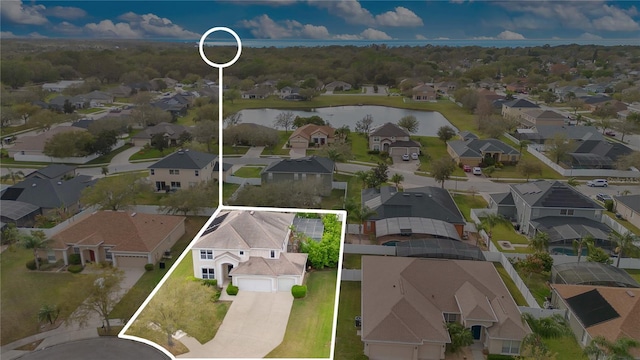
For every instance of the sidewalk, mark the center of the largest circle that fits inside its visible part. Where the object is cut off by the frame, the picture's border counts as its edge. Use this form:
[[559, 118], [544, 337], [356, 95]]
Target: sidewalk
[[253, 152]]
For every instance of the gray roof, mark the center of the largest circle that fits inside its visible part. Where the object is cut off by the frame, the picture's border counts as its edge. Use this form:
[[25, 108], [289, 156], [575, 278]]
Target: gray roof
[[520, 103], [287, 264], [546, 132], [416, 225], [476, 147], [504, 199], [561, 228], [52, 171], [631, 201], [312, 228], [248, 230], [48, 193], [388, 130], [173, 131], [187, 159], [404, 144], [591, 273], [16, 210], [426, 202], [466, 135], [543, 193], [310, 165]]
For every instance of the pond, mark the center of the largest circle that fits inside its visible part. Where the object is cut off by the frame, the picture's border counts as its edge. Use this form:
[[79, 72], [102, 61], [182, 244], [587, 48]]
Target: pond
[[337, 116]]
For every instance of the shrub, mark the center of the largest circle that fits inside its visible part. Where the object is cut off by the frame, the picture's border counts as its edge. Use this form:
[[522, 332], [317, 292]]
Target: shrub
[[546, 259], [499, 357], [74, 259], [31, 264], [210, 282], [373, 152], [232, 290], [216, 296], [74, 268], [609, 205], [299, 291], [148, 267]]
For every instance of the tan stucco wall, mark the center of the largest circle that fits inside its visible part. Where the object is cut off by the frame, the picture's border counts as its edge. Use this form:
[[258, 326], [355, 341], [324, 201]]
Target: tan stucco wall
[[185, 177]]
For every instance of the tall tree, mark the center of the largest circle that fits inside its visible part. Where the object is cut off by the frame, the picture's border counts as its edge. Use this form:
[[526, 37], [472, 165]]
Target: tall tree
[[205, 131], [446, 133], [359, 214], [378, 175], [529, 167], [284, 120], [559, 147], [363, 125], [460, 337], [628, 125], [35, 241], [410, 123], [192, 199], [596, 254], [12, 175], [69, 144], [442, 169], [115, 192], [397, 179], [581, 243], [624, 244], [605, 112], [540, 242], [10, 235], [159, 142], [104, 294], [232, 95]]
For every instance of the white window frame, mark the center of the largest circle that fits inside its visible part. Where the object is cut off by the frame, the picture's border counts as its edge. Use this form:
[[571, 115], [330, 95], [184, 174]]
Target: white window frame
[[51, 256], [108, 255], [176, 185], [206, 254], [174, 171], [208, 273], [509, 345]]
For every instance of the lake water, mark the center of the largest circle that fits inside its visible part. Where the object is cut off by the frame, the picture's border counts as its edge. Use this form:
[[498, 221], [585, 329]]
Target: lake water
[[337, 116]]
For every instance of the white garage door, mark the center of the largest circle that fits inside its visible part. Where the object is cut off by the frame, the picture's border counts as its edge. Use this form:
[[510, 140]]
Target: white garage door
[[131, 261], [248, 284], [285, 284]]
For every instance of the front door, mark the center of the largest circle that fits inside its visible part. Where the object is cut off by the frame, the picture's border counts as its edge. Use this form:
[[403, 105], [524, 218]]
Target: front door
[[229, 267], [92, 255], [476, 330]]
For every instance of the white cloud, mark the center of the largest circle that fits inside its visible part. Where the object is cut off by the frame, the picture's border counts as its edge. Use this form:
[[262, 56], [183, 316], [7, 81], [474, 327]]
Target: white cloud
[[66, 12], [35, 35], [10, 35], [106, 28], [348, 37], [67, 28], [153, 25], [510, 35], [373, 34], [615, 20], [266, 28], [483, 38], [7, 35], [400, 17], [16, 12], [442, 38], [589, 36], [420, 37]]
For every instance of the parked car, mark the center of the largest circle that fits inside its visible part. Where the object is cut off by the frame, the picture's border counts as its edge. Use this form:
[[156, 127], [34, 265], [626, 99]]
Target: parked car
[[610, 133], [405, 157], [477, 171], [466, 168], [597, 183], [603, 197], [414, 156]]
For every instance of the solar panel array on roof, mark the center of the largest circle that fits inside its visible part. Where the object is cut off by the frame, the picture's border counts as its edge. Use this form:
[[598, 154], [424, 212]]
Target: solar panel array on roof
[[12, 193], [313, 228], [215, 223], [591, 308], [562, 196]]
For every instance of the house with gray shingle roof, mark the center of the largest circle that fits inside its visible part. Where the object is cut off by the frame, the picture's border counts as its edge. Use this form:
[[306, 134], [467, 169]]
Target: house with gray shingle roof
[[544, 133], [249, 249], [185, 168], [514, 109], [475, 152], [171, 133], [628, 206], [391, 138], [306, 169]]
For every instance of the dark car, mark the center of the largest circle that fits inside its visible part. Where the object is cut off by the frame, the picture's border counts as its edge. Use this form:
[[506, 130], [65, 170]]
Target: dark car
[[603, 197]]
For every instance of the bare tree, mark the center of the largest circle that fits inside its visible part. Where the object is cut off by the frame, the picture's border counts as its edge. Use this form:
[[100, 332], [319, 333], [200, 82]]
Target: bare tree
[[284, 120]]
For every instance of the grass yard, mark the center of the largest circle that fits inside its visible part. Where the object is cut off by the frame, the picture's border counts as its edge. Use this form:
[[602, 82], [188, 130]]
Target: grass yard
[[249, 171], [467, 202], [634, 229], [150, 198], [106, 159], [508, 233], [537, 284], [136, 295], [360, 148], [230, 150], [348, 343], [159, 338], [147, 154], [228, 190], [635, 274], [354, 186], [333, 202], [352, 261], [89, 111], [310, 324], [566, 347], [434, 149], [511, 286], [23, 292]]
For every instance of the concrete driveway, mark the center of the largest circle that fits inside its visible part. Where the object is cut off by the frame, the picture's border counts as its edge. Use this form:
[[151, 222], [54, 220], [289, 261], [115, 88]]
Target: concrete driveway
[[254, 325]]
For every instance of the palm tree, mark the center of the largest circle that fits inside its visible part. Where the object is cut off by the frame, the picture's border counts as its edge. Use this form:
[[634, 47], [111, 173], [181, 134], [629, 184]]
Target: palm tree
[[573, 182], [615, 350], [48, 313], [523, 144], [397, 179], [13, 175], [36, 241], [358, 214], [540, 242], [579, 244], [492, 220], [362, 176], [624, 244], [551, 327]]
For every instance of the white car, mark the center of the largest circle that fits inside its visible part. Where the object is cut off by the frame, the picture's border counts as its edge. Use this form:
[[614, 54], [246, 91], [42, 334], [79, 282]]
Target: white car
[[597, 183], [476, 171], [405, 157], [414, 156]]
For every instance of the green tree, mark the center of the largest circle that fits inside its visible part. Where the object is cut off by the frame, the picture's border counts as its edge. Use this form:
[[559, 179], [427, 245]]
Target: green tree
[[597, 254], [551, 327], [523, 145], [442, 169], [358, 214], [460, 337], [559, 147], [534, 348], [35, 241], [336, 152], [585, 241], [104, 287], [576, 104], [104, 142], [231, 95], [48, 313], [410, 123], [540, 242], [397, 179], [191, 200], [573, 182], [289, 194], [605, 112], [446, 133], [491, 220], [12, 175], [362, 176], [624, 244], [14, 73], [10, 235], [115, 192], [529, 167], [628, 125], [614, 350], [205, 132], [548, 97], [378, 175], [69, 144], [363, 126], [159, 142]]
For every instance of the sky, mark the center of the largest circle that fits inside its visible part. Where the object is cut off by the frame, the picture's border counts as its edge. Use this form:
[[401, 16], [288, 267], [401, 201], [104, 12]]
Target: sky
[[336, 20]]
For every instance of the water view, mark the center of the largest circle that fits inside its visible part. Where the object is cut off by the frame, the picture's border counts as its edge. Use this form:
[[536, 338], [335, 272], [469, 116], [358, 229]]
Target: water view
[[337, 116]]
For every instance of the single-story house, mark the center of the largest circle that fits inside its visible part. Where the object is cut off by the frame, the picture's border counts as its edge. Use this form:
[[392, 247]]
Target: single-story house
[[249, 250], [596, 154], [53, 171], [185, 168], [474, 152], [312, 134], [177, 105], [541, 134], [61, 85], [628, 206], [302, 169], [592, 311], [446, 87], [124, 238], [393, 139], [338, 85], [424, 92], [34, 144], [404, 311], [257, 93], [171, 132]]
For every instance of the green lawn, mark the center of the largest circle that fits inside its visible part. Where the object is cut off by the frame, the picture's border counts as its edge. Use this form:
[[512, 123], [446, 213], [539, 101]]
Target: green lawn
[[537, 284], [354, 186], [23, 292], [352, 91], [230, 150], [566, 347], [310, 323], [333, 202], [360, 148], [635, 274], [146, 154], [634, 229], [352, 261], [150, 198], [249, 171], [467, 202], [511, 286], [434, 149], [139, 292], [348, 343], [106, 159], [508, 233], [89, 111], [228, 190], [280, 148]]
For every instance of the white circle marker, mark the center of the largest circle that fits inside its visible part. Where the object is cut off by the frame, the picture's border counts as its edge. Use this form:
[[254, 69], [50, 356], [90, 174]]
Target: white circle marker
[[214, 64]]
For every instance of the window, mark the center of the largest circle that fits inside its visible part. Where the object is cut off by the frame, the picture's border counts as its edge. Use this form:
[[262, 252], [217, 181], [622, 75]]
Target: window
[[76, 250], [273, 254], [566, 212], [197, 172], [174, 172], [152, 171], [175, 184], [376, 138], [510, 347], [376, 147], [108, 255], [206, 254], [208, 273], [450, 318], [51, 256], [241, 252]]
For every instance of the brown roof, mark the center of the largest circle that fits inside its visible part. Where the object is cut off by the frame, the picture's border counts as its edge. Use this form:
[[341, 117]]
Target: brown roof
[[287, 264], [125, 231], [36, 142], [307, 130], [628, 307], [401, 304]]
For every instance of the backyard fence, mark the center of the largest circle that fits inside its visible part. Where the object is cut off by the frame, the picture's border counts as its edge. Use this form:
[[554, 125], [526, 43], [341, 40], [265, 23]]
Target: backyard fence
[[351, 275]]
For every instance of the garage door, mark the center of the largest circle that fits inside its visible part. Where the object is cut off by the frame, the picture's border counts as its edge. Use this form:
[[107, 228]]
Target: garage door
[[285, 284], [248, 284], [131, 261]]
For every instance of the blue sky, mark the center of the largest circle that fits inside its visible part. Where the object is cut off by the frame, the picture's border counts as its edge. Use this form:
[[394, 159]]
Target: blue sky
[[323, 19]]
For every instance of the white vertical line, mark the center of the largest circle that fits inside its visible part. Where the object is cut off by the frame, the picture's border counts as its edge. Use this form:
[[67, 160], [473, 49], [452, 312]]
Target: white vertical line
[[220, 125]]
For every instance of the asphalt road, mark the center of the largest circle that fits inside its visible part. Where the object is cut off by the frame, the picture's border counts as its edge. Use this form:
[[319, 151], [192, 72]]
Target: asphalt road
[[102, 348]]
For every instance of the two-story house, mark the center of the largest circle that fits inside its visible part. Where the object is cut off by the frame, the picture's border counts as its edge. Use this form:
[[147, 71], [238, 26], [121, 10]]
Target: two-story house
[[185, 168], [393, 139], [249, 249], [515, 108], [310, 168], [424, 92]]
